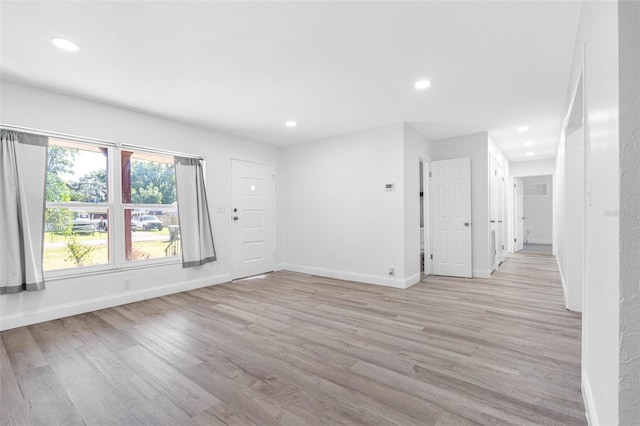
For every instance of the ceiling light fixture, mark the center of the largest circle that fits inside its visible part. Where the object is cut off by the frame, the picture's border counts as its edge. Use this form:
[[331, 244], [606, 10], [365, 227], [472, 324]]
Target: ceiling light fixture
[[422, 84], [530, 153], [291, 123], [64, 44], [528, 143], [523, 129]]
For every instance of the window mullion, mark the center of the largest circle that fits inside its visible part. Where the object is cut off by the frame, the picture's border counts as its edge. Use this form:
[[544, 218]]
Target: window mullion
[[117, 233]]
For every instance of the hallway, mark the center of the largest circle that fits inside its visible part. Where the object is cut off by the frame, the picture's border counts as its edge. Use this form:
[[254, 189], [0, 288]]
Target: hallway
[[288, 348]]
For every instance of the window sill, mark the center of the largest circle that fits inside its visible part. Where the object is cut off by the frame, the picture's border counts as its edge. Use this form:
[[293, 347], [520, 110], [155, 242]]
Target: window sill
[[107, 269]]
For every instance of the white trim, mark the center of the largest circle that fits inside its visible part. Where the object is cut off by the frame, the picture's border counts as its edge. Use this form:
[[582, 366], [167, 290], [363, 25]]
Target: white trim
[[383, 280], [60, 311], [412, 280], [549, 242], [93, 141], [589, 402], [481, 273], [129, 147]]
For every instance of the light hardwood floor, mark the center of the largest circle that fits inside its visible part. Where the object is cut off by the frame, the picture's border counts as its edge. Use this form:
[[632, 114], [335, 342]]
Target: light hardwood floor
[[294, 349]]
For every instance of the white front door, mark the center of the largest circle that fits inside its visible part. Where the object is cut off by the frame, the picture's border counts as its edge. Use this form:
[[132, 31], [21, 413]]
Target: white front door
[[451, 217], [519, 219], [252, 217]]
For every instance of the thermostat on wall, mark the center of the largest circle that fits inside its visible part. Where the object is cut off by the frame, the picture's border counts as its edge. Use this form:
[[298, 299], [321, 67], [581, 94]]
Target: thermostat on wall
[[389, 186]]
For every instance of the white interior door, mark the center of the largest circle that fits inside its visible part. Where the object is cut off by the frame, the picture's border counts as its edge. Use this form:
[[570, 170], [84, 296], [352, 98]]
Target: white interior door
[[252, 217], [451, 217], [519, 210]]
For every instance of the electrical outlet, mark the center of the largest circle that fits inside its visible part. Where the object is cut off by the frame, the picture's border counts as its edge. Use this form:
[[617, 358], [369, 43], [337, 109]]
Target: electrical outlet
[[126, 284]]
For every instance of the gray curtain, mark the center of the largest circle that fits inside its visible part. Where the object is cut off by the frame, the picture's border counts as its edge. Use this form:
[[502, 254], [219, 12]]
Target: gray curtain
[[193, 212], [23, 161]]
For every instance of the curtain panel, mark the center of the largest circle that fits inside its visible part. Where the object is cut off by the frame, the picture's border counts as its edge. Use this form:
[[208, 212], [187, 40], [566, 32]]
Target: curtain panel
[[23, 171], [193, 213]]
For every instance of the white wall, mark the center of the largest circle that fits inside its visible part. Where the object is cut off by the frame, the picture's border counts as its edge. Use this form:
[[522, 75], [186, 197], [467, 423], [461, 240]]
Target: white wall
[[416, 147], [474, 146], [574, 210], [538, 212], [34, 108], [560, 212], [533, 168], [629, 376], [340, 221], [597, 48]]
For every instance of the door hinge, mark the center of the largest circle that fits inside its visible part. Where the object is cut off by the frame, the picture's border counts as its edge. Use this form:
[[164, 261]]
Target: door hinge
[[503, 179], [431, 257], [429, 174], [495, 172], [515, 241], [514, 185], [503, 247]]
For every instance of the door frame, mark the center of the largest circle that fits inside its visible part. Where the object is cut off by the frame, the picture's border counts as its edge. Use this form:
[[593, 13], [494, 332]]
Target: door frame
[[426, 214], [516, 224], [230, 212]]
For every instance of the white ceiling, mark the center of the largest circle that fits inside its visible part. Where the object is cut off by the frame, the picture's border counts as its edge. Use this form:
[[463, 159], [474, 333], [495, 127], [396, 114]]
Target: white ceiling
[[245, 68]]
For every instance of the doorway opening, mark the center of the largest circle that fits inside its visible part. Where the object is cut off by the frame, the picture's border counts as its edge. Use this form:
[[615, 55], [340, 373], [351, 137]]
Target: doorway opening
[[425, 260], [534, 213], [497, 222]]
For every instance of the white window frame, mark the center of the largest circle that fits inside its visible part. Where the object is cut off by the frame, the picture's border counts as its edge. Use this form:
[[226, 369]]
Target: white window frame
[[115, 206]]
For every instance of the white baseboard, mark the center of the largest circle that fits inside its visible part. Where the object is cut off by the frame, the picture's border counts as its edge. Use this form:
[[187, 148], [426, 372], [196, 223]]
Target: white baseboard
[[589, 403], [354, 276], [279, 267], [412, 280], [538, 242], [481, 273], [60, 311]]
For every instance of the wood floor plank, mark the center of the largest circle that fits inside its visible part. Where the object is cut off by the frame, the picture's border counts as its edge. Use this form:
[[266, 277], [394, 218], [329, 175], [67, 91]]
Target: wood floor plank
[[290, 348], [47, 399]]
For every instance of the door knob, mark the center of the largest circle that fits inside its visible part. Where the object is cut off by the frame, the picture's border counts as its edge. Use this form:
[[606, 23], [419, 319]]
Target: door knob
[[235, 218], [467, 224]]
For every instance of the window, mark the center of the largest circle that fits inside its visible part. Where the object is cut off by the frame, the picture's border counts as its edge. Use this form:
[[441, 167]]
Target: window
[[78, 207], [97, 218], [150, 206], [535, 190]]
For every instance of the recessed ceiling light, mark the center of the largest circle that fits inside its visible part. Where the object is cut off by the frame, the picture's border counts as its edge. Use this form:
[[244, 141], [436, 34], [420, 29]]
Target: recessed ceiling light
[[530, 153], [523, 129], [64, 44], [291, 123], [528, 143], [422, 84]]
